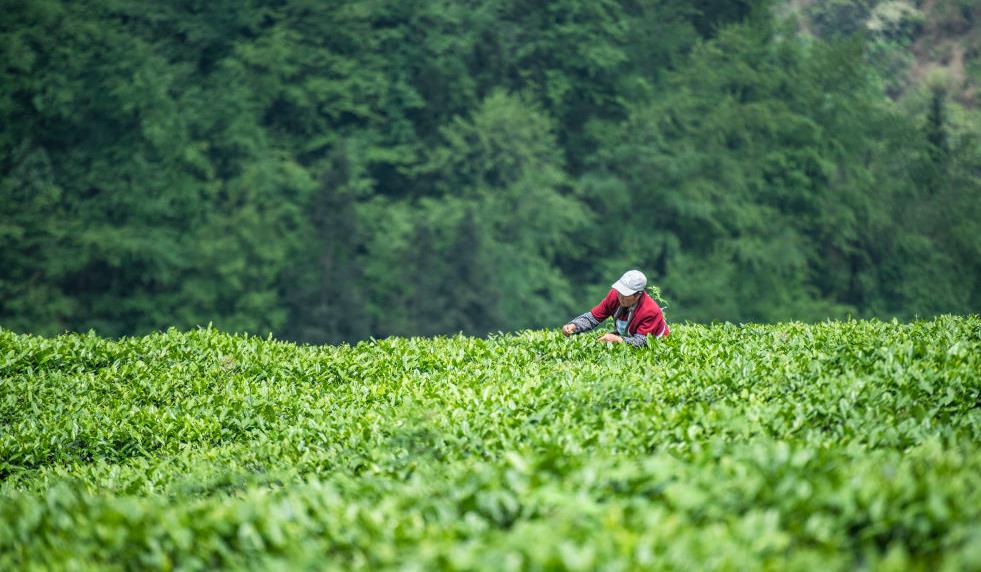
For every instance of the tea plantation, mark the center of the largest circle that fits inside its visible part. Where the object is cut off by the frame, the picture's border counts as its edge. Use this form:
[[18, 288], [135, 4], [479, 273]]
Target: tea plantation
[[835, 446]]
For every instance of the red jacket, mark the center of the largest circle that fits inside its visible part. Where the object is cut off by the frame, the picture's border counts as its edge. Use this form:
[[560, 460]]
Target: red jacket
[[648, 318]]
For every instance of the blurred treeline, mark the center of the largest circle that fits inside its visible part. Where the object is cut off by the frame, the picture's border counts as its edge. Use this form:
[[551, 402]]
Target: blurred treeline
[[333, 170]]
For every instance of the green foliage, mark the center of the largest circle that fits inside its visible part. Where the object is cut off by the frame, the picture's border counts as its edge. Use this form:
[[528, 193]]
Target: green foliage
[[655, 293], [766, 198], [783, 446], [343, 170]]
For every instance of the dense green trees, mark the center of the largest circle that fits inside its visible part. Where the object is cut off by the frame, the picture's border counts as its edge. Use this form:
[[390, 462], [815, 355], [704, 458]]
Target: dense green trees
[[340, 170]]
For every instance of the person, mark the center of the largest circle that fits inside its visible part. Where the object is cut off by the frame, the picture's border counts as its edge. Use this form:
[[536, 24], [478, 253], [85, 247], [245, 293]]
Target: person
[[635, 314]]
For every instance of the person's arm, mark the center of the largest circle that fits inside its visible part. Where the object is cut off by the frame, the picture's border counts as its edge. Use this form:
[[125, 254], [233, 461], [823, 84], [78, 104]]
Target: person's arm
[[637, 340], [594, 317], [584, 322]]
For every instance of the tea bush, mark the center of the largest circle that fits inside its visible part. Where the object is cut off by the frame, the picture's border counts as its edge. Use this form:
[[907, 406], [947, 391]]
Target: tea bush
[[839, 446]]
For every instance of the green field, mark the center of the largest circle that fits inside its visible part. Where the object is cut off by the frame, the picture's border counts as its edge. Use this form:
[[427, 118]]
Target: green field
[[835, 446]]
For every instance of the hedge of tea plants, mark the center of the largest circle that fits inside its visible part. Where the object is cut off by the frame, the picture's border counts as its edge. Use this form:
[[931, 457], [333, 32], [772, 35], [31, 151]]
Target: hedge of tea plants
[[834, 446]]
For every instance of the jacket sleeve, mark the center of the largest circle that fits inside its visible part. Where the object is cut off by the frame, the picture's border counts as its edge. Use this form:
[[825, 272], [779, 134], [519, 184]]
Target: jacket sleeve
[[593, 318], [585, 322], [637, 340], [606, 307]]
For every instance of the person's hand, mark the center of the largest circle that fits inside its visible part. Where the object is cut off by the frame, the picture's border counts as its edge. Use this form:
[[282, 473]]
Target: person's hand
[[568, 329], [611, 338]]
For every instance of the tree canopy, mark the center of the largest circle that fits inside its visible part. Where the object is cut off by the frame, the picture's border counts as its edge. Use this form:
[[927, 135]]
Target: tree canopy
[[333, 171]]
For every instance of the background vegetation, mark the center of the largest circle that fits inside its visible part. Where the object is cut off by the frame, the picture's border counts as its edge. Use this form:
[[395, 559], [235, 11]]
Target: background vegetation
[[332, 170]]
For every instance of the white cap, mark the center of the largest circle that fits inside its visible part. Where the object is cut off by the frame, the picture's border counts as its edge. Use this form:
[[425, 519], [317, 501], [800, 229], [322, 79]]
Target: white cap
[[631, 282]]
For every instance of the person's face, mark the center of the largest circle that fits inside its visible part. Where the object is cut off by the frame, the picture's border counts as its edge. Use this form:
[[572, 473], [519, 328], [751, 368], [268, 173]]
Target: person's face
[[627, 301]]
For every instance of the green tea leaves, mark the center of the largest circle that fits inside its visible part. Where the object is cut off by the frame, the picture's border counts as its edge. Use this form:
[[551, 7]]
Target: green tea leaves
[[787, 446]]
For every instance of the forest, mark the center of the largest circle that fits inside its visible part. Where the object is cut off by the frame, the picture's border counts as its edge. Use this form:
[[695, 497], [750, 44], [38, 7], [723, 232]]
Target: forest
[[335, 171]]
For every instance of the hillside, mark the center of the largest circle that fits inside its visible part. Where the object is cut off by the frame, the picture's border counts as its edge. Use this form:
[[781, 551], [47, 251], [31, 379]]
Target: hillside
[[914, 43], [840, 446]]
